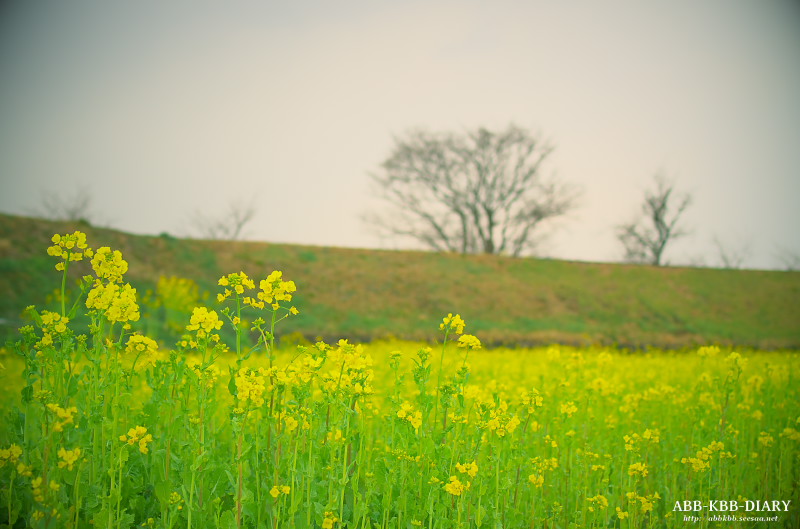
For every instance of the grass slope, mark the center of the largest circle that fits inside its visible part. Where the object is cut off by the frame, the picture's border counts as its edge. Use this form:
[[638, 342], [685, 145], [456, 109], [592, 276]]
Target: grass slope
[[367, 294]]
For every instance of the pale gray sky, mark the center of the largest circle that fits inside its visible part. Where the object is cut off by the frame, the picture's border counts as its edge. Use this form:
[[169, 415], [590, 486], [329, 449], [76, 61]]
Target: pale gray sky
[[166, 108]]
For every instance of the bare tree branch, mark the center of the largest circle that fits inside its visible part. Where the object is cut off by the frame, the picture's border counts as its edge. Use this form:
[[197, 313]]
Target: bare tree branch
[[227, 226], [69, 207], [480, 192], [732, 257], [646, 238]]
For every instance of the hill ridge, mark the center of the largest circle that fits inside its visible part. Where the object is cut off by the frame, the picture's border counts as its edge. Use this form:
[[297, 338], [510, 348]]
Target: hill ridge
[[367, 294]]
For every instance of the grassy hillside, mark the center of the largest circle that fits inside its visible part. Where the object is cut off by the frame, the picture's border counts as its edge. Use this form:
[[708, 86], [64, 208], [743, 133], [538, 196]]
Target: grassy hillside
[[366, 294]]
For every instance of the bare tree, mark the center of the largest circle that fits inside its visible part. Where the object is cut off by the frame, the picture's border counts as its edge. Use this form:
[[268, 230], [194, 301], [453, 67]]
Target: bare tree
[[479, 192], [732, 257], [790, 260], [646, 238], [69, 207], [227, 226]]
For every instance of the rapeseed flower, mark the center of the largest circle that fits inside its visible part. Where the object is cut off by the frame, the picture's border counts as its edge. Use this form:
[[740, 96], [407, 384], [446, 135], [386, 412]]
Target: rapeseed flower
[[250, 386], [329, 519], [69, 247], [455, 487], [24, 470], [407, 412], [109, 265], [275, 289], [638, 469], [65, 416], [469, 341], [277, 490], [765, 439], [568, 408], [452, 323], [597, 502], [791, 434], [207, 376], [10, 455], [36, 486], [139, 435], [237, 282], [68, 458], [116, 302], [537, 480], [204, 322], [470, 469], [143, 347]]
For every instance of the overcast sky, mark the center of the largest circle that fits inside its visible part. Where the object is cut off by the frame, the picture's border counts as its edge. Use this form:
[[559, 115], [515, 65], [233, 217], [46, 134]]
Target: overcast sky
[[164, 109]]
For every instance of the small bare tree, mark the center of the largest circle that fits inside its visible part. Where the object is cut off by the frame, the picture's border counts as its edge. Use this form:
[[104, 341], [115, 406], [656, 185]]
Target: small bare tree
[[646, 238], [790, 260], [730, 257], [68, 207], [229, 226], [479, 192]]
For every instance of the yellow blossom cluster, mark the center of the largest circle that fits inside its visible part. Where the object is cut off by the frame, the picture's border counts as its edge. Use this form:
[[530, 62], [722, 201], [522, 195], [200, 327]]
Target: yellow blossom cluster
[[501, 424], [117, 302], [52, 324], [250, 386], [109, 265], [638, 469], [139, 435], [68, 458], [531, 399], [10, 455], [407, 412], [646, 503], [402, 455], [329, 519], [456, 487], [597, 502], [791, 434], [234, 283], [736, 361], [207, 376], [634, 441], [708, 351], [143, 347], [38, 489], [177, 293], [452, 323], [64, 416], [470, 469], [277, 490], [291, 421], [335, 436], [203, 323], [701, 461], [540, 467], [469, 341], [176, 499], [352, 371], [568, 408], [274, 290], [304, 370], [69, 247], [24, 470]]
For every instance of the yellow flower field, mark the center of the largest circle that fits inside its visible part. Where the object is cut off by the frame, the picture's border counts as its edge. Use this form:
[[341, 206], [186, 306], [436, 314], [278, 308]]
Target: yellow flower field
[[107, 428]]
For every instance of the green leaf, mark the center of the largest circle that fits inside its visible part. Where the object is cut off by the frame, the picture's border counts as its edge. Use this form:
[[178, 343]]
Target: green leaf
[[227, 520]]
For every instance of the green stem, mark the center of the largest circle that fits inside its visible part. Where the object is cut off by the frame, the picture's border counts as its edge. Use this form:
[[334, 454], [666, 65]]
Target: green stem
[[439, 381], [64, 289]]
